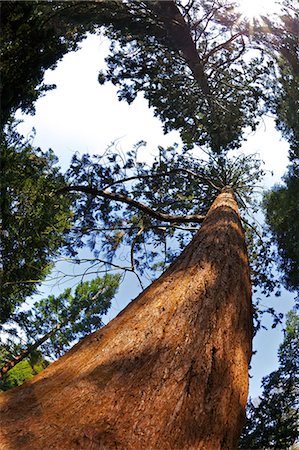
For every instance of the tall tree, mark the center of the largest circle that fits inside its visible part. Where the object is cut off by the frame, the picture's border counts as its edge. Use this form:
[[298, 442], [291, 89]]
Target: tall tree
[[272, 420], [183, 382], [170, 371], [33, 220]]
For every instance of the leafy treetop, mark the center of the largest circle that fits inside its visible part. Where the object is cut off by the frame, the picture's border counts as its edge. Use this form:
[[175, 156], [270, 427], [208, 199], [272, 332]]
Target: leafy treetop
[[33, 39]]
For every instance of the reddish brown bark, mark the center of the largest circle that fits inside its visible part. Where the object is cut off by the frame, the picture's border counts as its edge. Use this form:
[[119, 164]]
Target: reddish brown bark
[[169, 372]]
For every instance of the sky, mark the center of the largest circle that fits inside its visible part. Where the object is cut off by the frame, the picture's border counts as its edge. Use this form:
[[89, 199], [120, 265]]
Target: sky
[[83, 116]]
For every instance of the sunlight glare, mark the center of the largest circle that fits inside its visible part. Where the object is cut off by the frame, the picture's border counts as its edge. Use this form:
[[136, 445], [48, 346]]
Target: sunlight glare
[[253, 9]]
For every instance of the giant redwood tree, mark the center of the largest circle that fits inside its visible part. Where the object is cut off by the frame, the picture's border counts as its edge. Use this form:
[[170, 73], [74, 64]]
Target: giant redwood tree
[[171, 371]]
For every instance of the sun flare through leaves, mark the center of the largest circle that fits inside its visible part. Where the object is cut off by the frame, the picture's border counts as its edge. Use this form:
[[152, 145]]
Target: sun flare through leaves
[[254, 10]]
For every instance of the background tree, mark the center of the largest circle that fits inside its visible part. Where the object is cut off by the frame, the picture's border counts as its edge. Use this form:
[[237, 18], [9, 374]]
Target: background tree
[[33, 220], [53, 324], [209, 78], [272, 419], [282, 211]]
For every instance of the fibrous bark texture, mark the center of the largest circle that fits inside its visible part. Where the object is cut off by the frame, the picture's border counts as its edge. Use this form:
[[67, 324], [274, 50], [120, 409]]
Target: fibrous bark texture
[[169, 372]]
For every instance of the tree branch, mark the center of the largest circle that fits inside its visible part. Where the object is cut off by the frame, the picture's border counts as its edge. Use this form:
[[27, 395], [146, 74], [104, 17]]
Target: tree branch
[[129, 201], [221, 46], [181, 38]]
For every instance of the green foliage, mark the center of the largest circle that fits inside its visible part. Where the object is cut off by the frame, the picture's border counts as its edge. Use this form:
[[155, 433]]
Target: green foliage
[[56, 322], [175, 184], [148, 60], [33, 39], [281, 205], [23, 371], [35, 35], [272, 421], [33, 218]]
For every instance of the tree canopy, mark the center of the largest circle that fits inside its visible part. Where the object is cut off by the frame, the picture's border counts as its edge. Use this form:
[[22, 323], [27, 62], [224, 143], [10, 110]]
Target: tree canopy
[[209, 82], [148, 213], [33, 39]]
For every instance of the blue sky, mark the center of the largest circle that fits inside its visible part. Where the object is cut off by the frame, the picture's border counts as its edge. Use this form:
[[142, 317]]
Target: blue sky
[[80, 115]]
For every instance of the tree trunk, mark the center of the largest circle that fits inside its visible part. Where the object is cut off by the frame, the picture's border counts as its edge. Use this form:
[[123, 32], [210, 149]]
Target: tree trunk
[[169, 372]]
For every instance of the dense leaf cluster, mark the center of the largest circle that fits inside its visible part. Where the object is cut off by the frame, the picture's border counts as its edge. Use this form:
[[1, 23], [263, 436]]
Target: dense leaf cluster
[[33, 39]]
